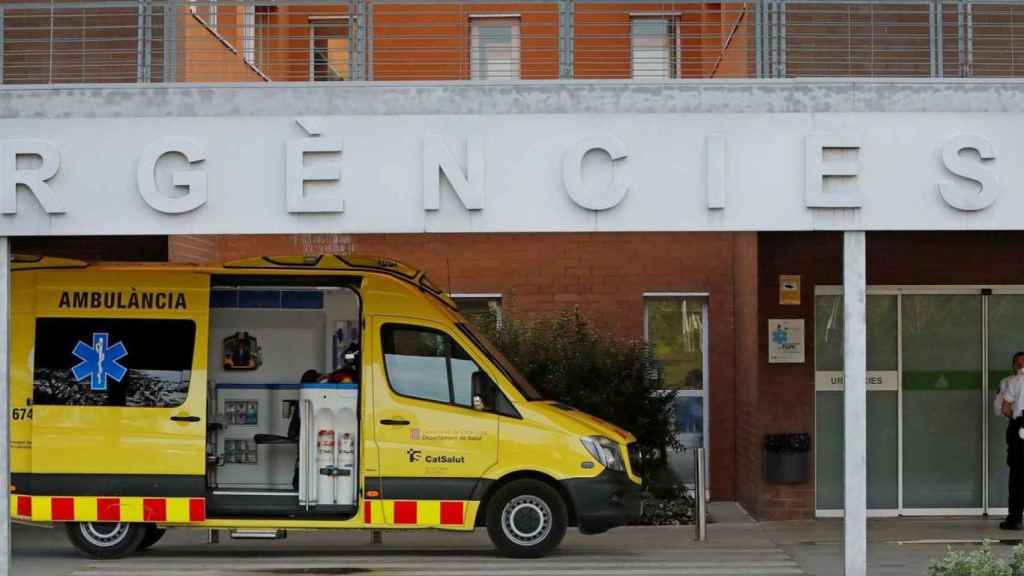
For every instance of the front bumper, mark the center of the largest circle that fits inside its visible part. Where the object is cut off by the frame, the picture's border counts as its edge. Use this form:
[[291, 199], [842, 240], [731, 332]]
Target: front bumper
[[605, 501]]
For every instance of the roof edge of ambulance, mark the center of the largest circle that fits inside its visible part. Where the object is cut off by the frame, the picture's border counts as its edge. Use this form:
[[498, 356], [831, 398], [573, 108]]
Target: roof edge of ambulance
[[30, 262], [35, 262], [352, 262], [327, 262], [286, 263]]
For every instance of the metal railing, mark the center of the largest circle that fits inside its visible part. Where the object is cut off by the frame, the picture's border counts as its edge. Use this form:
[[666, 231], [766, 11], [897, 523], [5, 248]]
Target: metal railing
[[69, 41]]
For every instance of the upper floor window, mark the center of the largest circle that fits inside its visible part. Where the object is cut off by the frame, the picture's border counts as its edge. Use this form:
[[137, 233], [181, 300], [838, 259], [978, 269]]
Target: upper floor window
[[263, 23], [206, 10], [656, 50], [494, 48], [329, 49], [480, 309], [249, 33]]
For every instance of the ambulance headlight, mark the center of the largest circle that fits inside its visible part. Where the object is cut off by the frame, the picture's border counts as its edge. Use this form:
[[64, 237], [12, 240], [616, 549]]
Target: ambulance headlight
[[605, 451]]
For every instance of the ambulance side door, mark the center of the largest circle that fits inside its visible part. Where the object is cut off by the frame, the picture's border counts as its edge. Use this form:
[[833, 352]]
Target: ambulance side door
[[119, 383], [434, 446]]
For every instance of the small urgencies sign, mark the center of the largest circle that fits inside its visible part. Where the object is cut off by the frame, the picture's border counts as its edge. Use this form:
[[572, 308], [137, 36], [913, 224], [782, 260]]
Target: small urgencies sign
[[786, 341]]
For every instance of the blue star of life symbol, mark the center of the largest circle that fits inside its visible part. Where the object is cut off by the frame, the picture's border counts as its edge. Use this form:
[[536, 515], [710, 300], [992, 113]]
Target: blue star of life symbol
[[779, 336], [99, 361]]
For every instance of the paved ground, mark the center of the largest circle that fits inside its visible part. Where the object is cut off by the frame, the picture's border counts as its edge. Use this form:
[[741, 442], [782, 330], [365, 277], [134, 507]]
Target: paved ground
[[898, 547], [633, 551]]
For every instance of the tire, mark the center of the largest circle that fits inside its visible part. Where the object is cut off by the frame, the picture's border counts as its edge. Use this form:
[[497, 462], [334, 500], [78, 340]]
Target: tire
[[152, 536], [106, 540], [526, 519]]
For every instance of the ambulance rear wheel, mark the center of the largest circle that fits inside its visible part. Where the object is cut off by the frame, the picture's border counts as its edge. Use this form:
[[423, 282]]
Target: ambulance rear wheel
[[526, 519], [106, 539], [153, 535]]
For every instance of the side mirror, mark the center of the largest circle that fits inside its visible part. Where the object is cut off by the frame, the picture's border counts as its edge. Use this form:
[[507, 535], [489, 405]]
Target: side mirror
[[482, 391]]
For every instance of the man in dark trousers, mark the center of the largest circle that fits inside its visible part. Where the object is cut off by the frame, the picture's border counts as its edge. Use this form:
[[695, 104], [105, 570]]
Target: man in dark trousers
[[1012, 392]]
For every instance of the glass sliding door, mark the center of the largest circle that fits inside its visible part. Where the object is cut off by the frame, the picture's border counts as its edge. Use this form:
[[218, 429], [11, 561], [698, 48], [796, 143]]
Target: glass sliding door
[[942, 402], [882, 401], [1005, 337], [936, 357]]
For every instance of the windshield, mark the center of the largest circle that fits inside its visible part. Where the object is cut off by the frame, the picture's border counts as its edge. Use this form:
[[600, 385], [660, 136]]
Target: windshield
[[513, 374]]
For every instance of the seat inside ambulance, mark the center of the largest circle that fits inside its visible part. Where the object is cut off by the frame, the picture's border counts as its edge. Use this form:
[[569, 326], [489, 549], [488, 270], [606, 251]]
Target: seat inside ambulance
[[284, 365]]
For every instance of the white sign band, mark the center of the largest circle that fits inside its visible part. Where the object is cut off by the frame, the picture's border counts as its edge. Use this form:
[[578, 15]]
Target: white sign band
[[500, 173]]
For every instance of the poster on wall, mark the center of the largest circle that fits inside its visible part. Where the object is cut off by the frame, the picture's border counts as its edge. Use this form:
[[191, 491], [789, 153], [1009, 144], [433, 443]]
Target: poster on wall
[[789, 289], [786, 341]]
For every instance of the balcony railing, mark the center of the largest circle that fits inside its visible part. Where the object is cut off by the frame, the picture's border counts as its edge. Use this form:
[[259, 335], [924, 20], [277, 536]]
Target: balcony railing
[[65, 41]]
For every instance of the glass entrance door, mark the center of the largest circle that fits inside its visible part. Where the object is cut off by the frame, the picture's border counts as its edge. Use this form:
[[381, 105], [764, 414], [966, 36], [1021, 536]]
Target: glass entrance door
[[941, 378], [882, 402], [935, 358], [674, 326], [1005, 337]]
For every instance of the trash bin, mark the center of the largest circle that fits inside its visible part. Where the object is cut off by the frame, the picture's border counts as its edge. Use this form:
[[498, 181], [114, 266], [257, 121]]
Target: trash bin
[[787, 458]]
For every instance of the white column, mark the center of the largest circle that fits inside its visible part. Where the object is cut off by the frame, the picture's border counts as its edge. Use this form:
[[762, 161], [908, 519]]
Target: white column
[[855, 529], [5, 394]]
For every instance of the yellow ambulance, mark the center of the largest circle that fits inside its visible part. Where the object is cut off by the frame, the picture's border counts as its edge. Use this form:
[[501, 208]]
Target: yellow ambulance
[[292, 393]]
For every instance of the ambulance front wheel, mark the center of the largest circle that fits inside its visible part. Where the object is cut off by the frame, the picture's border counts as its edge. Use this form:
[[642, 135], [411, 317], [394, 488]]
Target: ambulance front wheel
[[526, 519], [106, 539]]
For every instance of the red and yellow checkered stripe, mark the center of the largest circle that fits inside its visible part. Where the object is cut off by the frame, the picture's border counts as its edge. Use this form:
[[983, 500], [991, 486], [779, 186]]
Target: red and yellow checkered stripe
[[397, 513], [444, 513], [108, 509]]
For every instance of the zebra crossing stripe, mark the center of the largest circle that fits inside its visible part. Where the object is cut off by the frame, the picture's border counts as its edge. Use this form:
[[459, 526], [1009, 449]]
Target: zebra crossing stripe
[[547, 567], [671, 571]]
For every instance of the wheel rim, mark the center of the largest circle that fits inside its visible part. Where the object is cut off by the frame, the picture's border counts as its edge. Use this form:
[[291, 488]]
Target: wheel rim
[[526, 520], [104, 534]]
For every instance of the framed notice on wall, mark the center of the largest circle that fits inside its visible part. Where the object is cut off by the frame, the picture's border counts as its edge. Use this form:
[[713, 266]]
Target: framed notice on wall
[[789, 289], [786, 341]]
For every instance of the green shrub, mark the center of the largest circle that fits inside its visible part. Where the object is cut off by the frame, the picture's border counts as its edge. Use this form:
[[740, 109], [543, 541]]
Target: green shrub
[[570, 361], [980, 562], [667, 504], [1017, 560]]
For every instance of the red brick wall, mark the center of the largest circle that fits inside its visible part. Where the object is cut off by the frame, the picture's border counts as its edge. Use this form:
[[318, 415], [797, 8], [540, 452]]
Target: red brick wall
[[432, 41], [205, 57], [710, 49], [192, 249], [748, 454], [787, 390], [604, 274], [94, 248], [737, 58]]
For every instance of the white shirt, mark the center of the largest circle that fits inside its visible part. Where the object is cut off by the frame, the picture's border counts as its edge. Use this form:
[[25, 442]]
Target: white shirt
[[997, 404], [1014, 393]]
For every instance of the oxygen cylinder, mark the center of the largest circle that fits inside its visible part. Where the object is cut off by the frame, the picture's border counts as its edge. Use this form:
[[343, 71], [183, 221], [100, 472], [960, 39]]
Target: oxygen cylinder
[[346, 491], [324, 463]]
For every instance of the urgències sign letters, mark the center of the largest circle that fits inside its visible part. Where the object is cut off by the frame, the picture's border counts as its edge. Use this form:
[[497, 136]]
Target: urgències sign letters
[[510, 173]]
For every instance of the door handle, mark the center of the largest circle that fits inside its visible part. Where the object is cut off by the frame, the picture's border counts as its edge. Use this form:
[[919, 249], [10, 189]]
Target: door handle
[[185, 418], [394, 422]]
